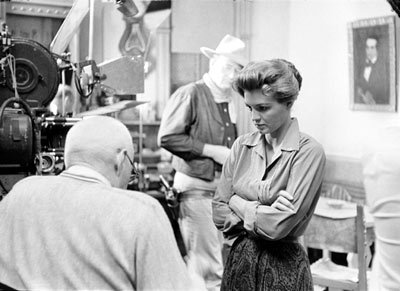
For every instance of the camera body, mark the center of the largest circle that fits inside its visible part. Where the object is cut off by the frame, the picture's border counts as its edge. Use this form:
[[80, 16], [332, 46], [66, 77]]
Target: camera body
[[53, 133], [29, 80], [16, 143]]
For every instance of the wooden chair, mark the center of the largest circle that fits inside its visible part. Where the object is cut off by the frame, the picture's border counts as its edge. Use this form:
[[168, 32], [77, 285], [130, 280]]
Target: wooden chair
[[335, 192], [344, 235]]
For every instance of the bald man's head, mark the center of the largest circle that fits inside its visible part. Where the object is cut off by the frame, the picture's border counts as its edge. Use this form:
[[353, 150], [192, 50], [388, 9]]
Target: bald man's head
[[101, 143]]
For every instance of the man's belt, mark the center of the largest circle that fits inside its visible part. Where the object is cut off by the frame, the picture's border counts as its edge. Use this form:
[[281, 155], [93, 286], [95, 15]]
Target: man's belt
[[195, 194]]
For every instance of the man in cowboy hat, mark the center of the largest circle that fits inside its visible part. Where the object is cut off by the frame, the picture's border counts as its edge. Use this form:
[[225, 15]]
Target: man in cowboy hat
[[198, 128]]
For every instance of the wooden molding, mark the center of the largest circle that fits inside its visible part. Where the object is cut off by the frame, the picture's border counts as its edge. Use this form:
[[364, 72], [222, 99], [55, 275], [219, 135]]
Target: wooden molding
[[43, 8]]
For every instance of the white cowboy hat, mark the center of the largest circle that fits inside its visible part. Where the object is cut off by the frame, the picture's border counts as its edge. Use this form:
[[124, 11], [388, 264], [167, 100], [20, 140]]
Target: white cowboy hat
[[230, 47]]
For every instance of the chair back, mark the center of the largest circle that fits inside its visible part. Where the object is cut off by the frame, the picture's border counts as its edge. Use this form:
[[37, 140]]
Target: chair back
[[343, 235], [337, 192], [335, 235]]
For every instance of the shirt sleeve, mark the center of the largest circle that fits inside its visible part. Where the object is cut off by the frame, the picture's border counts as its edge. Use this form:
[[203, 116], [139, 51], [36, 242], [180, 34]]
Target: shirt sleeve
[[174, 134], [158, 262], [304, 184], [225, 219]]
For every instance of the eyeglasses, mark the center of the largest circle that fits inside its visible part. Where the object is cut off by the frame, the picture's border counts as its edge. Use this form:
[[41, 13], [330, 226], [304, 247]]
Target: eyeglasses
[[135, 172]]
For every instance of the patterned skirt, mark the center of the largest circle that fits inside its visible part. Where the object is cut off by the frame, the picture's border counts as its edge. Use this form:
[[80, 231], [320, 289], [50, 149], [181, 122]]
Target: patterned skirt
[[256, 264]]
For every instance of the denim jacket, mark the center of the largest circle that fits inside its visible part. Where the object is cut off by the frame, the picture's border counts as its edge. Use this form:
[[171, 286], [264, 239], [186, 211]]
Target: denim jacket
[[190, 120]]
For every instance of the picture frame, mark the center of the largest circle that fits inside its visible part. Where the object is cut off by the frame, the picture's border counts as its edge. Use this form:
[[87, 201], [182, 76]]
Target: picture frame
[[373, 64]]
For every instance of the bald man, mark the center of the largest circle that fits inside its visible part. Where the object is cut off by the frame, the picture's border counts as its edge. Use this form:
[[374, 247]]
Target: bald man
[[82, 229]]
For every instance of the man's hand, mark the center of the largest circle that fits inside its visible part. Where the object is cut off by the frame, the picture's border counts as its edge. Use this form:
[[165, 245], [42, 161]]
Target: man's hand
[[218, 153], [283, 202], [366, 96], [369, 98]]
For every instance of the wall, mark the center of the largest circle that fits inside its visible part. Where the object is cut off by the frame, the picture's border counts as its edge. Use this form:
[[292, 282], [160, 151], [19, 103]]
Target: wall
[[200, 23], [269, 33], [314, 37]]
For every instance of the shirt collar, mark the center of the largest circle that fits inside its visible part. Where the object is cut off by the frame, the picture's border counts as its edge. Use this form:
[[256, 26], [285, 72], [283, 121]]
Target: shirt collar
[[86, 173], [291, 141]]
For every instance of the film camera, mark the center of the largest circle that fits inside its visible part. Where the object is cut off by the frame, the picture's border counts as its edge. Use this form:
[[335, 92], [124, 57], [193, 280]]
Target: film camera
[[31, 138], [29, 79]]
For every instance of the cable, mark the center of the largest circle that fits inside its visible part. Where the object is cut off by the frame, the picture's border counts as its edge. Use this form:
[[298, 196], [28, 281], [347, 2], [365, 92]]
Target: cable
[[80, 89], [12, 65]]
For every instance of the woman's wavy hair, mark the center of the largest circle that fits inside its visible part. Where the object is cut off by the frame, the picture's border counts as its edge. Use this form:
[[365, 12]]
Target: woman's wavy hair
[[276, 77]]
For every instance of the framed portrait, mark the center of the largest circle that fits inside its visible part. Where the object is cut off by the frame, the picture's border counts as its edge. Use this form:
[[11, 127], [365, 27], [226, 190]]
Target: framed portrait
[[373, 64]]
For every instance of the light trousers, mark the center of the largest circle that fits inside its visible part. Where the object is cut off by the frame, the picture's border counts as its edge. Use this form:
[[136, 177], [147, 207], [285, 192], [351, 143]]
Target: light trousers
[[202, 240]]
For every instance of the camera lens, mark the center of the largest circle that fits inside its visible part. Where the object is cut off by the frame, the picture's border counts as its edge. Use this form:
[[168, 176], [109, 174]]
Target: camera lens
[[48, 162]]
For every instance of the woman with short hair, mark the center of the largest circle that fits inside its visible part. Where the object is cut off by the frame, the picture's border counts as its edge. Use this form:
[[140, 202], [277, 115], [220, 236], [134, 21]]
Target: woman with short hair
[[270, 185]]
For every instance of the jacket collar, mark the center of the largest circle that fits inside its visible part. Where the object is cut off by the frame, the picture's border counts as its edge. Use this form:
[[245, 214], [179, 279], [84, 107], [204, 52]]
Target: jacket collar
[[84, 173]]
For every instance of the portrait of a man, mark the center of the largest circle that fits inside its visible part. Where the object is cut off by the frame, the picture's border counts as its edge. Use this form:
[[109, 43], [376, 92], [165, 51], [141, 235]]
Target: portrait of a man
[[373, 64], [373, 76]]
